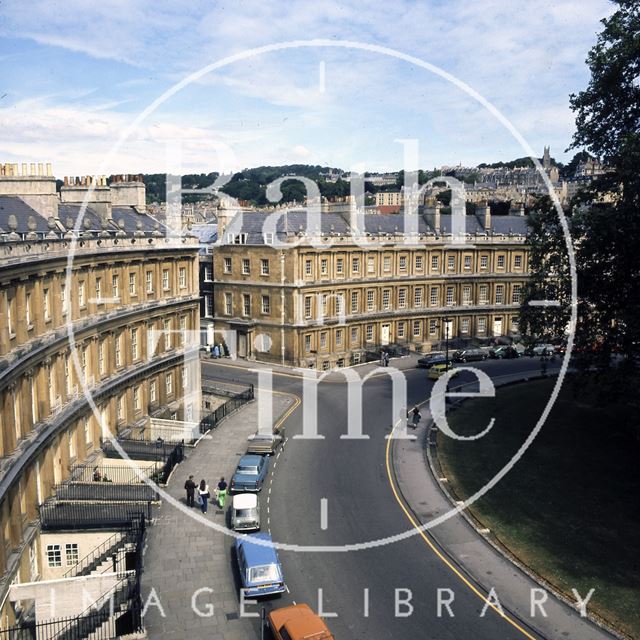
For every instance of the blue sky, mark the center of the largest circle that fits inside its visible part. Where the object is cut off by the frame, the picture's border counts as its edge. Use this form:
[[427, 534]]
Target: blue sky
[[76, 74]]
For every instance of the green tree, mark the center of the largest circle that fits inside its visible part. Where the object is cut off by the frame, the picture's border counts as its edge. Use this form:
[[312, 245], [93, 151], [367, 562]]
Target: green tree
[[550, 277], [606, 219]]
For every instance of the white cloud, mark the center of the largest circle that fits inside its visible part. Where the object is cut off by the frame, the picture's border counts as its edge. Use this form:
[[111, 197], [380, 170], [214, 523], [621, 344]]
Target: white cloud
[[525, 56]]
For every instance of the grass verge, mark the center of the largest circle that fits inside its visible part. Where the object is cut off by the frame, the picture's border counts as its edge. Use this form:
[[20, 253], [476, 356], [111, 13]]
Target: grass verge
[[570, 508]]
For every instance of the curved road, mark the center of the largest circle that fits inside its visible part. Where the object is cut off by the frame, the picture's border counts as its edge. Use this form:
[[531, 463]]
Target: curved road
[[351, 475]]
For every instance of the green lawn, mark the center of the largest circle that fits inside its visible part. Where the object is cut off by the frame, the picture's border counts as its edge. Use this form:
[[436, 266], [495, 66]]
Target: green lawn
[[570, 508]]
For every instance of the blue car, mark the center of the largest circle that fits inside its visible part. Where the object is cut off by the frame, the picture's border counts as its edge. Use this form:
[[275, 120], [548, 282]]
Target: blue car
[[259, 566], [250, 473]]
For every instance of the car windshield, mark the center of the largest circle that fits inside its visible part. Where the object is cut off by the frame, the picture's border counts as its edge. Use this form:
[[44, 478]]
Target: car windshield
[[249, 471], [244, 513], [264, 573]]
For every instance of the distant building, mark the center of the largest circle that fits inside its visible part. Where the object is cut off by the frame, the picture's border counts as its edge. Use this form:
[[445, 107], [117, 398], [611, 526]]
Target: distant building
[[325, 299]]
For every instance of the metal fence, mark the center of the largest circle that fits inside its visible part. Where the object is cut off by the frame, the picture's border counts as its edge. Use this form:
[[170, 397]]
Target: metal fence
[[57, 515], [157, 450], [106, 491], [110, 473], [211, 421]]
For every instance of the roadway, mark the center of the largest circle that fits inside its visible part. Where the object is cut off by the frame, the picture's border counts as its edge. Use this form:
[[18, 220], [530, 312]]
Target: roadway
[[351, 475]]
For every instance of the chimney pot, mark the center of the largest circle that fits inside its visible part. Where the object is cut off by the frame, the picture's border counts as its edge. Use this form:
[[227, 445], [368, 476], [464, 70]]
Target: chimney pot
[[40, 172], [32, 170], [24, 169], [49, 170]]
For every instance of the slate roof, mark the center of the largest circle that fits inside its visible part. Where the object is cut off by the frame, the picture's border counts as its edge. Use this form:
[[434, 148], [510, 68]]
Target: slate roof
[[11, 205], [206, 233], [292, 222]]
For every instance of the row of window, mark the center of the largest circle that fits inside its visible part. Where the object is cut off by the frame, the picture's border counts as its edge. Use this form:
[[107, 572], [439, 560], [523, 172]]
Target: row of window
[[45, 380], [80, 294], [265, 304], [54, 554], [404, 330], [246, 266], [467, 262], [402, 302]]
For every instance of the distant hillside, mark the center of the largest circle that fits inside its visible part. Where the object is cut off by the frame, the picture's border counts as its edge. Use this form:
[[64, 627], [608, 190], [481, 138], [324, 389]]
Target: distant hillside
[[156, 185]]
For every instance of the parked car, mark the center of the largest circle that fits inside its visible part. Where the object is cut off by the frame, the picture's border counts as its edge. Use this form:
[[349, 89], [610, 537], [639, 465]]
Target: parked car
[[428, 361], [438, 370], [297, 622], [259, 566], [250, 473], [245, 515], [504, 352], [264, 443], [469, 355], [541, 350]]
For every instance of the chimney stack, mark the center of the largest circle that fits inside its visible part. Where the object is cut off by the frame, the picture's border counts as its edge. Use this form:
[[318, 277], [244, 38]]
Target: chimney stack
[[486, 222]]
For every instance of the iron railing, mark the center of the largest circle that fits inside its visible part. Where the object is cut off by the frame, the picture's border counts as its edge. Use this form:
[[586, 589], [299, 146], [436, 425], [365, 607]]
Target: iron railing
[[109, 473], [64, 515], [106, 492], [211, 421], [156, 450]]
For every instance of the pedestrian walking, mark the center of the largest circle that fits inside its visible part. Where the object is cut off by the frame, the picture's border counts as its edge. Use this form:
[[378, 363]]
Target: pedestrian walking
[[382, 355], [203, 495], [216, 351], [190, 488], [415, 417], [222, 492], [386, 358]]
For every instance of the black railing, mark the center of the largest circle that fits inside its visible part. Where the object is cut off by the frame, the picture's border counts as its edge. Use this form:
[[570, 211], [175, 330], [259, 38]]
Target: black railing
[[92, 472], [156, 450], [63, 515], [211, 421], [166, 454], [106, 491], [125, 622], [175, 457], [108, 549]]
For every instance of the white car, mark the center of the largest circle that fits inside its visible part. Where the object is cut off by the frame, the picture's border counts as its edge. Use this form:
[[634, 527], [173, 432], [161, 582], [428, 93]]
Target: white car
[[245, 515], [543, 349]]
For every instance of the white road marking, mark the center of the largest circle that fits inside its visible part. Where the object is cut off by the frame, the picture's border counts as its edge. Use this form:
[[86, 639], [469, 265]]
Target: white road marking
[[324, 514], [287, 588]]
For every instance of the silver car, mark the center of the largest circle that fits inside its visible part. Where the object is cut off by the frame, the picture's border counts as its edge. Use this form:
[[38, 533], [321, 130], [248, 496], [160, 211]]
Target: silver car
[[245, 515]]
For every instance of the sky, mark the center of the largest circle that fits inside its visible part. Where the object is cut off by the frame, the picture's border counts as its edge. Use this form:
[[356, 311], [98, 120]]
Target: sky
[[79, 81]]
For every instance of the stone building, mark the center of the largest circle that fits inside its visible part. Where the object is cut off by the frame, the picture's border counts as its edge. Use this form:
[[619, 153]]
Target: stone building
[[328, 297], [99, 302]]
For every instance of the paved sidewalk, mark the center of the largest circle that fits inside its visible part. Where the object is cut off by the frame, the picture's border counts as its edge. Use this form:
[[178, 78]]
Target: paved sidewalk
[[468, 549], [184, 555]]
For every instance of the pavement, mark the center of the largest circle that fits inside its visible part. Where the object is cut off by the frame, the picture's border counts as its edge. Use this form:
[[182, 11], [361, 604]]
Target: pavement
[[183, 555]]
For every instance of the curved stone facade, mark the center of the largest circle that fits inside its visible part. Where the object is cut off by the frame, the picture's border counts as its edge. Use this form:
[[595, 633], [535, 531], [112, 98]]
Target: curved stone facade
[[110, 323]]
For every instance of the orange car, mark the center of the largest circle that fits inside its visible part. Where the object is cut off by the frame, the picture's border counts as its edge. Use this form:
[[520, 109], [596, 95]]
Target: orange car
[[298, 622]]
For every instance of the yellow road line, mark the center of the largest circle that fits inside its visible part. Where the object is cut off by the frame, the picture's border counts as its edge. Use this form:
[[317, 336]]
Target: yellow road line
[[439, 554], [296, 403]]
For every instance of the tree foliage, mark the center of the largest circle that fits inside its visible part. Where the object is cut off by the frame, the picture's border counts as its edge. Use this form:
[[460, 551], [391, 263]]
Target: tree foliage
[[550, 276], [606, 221]]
